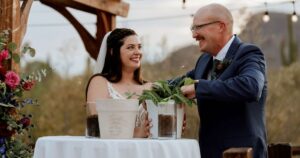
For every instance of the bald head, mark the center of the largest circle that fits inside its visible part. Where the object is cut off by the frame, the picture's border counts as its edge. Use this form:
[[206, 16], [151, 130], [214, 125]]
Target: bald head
[[215, 12]]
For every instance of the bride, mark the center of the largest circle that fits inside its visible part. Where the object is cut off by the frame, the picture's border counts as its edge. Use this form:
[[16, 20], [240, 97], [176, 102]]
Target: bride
[[118, 73]]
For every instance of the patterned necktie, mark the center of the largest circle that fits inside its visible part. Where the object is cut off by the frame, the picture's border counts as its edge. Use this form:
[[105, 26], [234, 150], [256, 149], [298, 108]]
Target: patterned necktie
[[214, 74]]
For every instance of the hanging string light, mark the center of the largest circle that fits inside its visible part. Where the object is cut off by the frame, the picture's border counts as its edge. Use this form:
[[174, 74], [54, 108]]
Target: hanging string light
[[183, 4], [294, 16], [266, 17]]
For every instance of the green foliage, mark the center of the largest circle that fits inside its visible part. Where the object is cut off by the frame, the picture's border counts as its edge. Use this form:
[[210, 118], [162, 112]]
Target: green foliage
[[16, 58], [292, 55], [18, 149], [129, 95], [12, 47], [163, 92], [28, 49]]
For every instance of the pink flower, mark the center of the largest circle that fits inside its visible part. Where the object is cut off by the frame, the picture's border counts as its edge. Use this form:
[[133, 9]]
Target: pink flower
[[4, 55], [12, 79], [27, 85]]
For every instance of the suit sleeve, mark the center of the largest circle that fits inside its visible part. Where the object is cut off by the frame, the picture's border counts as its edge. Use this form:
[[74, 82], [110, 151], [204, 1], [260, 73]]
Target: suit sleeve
[[246, 85], [191, 74]]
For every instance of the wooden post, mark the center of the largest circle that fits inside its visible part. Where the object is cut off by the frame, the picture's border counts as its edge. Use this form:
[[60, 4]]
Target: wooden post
[[296, 150], [283, 150], [238, 153], [14, 18]]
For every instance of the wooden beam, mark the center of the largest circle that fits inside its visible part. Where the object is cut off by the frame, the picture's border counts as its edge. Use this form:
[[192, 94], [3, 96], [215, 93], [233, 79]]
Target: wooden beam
[[105, 23], [69, 3], [238, 153], [106, 12], [25, 9], [115, 7]]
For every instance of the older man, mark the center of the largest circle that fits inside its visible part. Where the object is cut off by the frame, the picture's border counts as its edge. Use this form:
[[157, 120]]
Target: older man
[[232, 86]]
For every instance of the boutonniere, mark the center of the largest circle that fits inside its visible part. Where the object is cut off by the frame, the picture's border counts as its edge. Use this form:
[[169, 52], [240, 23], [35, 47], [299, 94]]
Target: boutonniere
[[222, 65], [219, 67]]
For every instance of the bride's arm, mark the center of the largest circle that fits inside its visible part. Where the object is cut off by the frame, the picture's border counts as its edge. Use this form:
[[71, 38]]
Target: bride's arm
[[97, 89]]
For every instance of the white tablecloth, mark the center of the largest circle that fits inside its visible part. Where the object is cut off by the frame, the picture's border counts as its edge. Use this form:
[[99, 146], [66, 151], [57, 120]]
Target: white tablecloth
[[82, 147]]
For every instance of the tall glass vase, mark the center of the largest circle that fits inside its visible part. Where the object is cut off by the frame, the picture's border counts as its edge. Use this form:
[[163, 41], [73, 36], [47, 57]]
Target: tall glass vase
[[167, 120], [92, 125]]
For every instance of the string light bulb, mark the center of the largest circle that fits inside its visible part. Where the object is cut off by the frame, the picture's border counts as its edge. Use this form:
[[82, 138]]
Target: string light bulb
[[183, 4], [294, 16], [266, 17]]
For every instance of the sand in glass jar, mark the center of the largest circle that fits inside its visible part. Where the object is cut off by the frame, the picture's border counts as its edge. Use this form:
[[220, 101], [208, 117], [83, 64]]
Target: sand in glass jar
[[92, 125]]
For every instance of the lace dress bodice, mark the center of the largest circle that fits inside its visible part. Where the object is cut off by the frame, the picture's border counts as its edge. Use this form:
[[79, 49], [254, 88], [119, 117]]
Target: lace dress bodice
[[114, 94]]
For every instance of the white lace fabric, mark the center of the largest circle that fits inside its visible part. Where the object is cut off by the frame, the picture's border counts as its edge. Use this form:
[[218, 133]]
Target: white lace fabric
[[114, 94]]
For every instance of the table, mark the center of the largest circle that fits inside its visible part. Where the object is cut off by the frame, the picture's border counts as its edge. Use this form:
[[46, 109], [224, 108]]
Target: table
[[82, 147]]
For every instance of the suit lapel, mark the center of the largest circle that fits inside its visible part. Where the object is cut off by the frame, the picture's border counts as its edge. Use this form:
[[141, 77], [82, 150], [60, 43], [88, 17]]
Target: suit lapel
[[203, 67], [231, 53], [233, 48], [205, 64]]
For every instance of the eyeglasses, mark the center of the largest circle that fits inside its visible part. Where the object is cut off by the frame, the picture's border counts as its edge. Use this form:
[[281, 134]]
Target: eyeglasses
[[198, 27]]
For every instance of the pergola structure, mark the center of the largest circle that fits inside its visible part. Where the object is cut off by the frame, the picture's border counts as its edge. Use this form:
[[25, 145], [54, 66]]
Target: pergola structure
[[105, 10], [14, 17]]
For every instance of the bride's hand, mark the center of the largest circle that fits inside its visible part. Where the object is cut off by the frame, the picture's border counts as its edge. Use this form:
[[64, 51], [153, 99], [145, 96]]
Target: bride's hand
[[146, 125], [144, 130]]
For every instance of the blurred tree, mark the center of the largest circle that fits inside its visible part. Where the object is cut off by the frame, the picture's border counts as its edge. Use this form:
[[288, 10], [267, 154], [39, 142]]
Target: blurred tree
[[291, 56], [282, 110], [61, 103]]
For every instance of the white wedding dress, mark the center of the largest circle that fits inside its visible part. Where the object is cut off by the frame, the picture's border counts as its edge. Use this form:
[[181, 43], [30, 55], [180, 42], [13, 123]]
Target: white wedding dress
[[114, 94]]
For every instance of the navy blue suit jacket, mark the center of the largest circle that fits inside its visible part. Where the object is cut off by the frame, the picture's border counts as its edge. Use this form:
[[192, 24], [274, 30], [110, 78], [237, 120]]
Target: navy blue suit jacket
[[232, 107]]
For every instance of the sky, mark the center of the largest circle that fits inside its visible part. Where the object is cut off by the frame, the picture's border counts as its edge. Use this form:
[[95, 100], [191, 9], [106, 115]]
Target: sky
[[155, 21]]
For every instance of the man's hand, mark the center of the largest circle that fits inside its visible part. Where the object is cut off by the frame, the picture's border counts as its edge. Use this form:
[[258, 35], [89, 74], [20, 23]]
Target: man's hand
[[189, 91]]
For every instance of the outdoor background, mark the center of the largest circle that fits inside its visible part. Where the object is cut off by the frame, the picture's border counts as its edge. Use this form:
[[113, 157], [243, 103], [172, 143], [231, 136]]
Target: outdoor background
[[169, 51]]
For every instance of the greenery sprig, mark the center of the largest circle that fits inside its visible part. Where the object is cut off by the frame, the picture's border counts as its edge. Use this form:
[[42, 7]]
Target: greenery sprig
[[162, 91]]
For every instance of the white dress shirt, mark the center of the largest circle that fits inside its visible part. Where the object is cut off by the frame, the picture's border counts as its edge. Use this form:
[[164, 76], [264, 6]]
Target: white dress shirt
[[222, 53]]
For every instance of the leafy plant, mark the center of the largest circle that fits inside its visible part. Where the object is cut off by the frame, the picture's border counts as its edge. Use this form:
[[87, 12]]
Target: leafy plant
[[163, 91]]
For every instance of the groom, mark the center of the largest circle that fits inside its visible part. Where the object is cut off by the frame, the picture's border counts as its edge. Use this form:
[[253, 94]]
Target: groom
[[232, 86]]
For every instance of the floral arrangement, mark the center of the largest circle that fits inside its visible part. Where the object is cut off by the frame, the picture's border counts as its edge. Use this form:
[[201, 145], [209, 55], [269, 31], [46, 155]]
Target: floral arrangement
[[13, 125]]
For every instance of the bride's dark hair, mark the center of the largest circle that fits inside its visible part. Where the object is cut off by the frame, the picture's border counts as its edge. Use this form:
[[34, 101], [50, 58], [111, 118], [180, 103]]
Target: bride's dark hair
[[112, 69]]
